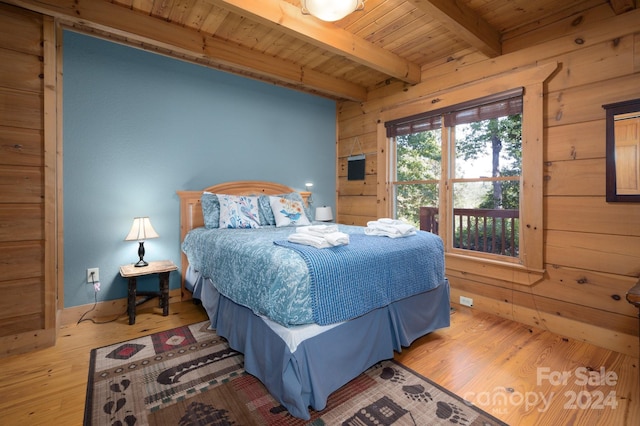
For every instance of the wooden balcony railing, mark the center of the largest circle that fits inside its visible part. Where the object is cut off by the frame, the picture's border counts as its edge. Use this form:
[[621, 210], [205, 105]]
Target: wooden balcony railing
[[485, 230]]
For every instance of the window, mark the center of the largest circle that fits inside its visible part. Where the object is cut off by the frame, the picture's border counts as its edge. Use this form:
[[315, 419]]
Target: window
[[442, 116], [471, 194]]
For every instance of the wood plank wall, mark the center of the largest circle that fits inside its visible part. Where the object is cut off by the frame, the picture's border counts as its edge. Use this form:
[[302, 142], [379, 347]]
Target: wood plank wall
[[591, 248], [27, 304]]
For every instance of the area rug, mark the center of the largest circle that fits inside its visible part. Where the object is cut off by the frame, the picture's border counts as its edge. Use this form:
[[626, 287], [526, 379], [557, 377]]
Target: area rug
[[190, 376]]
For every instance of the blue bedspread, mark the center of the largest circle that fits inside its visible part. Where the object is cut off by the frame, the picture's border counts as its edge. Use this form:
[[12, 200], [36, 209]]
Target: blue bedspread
[[275, 281], [369, 273], [245, 266]]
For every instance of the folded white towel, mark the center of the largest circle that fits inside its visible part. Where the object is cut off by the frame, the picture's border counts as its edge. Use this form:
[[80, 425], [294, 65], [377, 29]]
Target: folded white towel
[[391, 228], [319, 236], [385, 221], [318, 229], [389, 221], [308, 240], [337, 238]]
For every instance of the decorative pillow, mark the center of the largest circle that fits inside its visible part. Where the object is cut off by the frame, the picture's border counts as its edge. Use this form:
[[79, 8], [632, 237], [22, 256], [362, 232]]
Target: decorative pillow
[[288, 212], [239, 211], [210, 210], [266, 214]]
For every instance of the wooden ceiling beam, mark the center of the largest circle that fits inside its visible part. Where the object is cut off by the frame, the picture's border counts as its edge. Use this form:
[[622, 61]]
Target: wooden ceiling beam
[[190, 44], [288, 18], [463, 22], [622, 6]]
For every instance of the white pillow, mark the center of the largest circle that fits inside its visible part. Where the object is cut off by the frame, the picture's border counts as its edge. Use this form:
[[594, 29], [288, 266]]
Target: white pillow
[[288, 212], [239, 211]]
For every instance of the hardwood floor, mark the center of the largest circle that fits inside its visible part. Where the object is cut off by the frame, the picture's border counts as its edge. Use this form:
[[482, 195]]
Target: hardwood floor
[[503, 367], [528, 376]]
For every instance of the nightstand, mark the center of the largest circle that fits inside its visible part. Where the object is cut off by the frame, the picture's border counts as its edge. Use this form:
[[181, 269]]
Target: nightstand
[[162, 268]]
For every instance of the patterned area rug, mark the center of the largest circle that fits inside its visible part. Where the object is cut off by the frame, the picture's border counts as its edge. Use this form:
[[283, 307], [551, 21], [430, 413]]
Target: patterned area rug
[[190, 376]]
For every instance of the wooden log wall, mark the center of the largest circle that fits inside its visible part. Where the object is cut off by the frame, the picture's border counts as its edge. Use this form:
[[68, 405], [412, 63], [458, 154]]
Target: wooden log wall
[[591, 247], [27, 182]]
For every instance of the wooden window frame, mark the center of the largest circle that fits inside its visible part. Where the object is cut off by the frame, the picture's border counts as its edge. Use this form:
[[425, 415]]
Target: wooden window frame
[[528, 269]]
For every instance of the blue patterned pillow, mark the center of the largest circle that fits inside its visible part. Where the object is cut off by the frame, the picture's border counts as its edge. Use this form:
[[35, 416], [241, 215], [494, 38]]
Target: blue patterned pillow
[[288, 212], [266, 214], [239, 211], [264, 208], [210, 210]]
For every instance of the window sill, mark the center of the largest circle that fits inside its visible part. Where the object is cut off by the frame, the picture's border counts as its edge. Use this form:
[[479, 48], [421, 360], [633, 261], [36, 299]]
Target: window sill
[[470, 266]]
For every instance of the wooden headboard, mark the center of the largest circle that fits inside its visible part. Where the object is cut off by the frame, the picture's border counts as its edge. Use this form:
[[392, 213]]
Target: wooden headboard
[[191, 209]]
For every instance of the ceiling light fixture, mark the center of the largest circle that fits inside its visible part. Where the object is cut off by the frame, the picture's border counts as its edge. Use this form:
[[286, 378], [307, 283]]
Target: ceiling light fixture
[[331, 10]]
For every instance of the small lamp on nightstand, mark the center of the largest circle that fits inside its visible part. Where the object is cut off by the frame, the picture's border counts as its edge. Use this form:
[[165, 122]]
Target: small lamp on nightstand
[[141, 230], [324, 214]]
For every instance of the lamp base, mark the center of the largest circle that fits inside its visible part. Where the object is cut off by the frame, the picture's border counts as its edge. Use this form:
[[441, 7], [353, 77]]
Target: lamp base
[[141, 262]]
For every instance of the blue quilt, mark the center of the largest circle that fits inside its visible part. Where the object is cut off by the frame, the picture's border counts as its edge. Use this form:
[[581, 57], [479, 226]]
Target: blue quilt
[[276, 281], [370, 272], [245, 266]]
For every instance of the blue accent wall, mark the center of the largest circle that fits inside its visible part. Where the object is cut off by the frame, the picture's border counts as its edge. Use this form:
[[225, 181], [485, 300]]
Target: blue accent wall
[[137, 127]]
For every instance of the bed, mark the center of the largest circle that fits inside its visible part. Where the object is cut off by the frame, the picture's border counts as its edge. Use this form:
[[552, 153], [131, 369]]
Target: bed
[[303, 351]]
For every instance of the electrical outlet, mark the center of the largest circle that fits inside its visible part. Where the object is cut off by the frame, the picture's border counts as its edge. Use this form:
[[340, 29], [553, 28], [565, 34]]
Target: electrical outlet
[[466, 301], [96, 275]]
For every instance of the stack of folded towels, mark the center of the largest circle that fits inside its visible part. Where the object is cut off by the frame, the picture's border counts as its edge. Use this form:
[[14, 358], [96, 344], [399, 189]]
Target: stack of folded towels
[[391, 228], [319, 236]]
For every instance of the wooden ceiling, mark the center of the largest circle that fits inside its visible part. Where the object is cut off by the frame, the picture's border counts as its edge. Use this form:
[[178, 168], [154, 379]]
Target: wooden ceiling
[[272, 40]]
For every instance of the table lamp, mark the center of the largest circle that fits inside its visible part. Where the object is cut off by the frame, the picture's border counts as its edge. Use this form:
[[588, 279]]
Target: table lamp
[[324, 214], [141, 230]]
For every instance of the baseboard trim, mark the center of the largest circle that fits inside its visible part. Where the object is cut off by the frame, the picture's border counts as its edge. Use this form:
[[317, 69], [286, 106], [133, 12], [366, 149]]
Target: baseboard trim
[[109, 309]]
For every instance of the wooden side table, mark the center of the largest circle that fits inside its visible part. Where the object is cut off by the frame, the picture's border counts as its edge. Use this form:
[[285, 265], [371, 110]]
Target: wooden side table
[[163, 268]]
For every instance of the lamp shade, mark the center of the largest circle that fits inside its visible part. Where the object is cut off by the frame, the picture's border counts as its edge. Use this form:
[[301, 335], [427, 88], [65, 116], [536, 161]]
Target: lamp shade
[[141, 230], [324, 214], [331, 10]]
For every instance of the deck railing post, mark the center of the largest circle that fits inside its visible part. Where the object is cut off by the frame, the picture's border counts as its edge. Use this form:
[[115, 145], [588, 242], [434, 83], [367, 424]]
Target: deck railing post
[[481, 230]]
